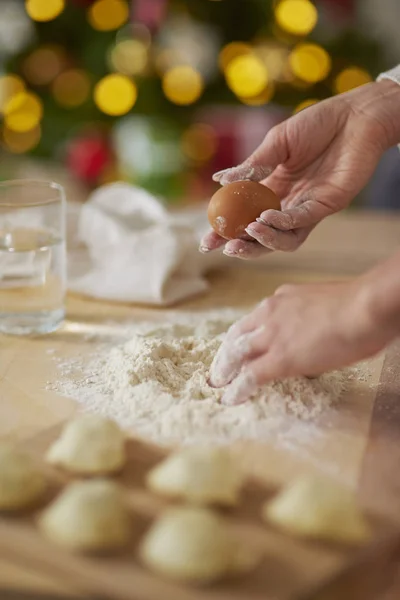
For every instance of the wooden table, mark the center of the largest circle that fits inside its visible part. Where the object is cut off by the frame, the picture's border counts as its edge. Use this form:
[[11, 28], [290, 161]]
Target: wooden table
[[361, 441]]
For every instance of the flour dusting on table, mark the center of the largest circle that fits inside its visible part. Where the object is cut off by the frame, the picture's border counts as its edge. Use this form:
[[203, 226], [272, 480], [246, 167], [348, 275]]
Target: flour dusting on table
[[155, 385]]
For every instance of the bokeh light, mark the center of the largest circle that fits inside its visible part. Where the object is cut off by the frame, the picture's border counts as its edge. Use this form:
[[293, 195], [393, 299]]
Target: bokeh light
[[129, 57], [199, 142], [274, 55], [297, 17], [351, 78], [20, 142], [115, 94], [134, 31], [247, 75], [71, 88], [305, 104], [310, 62], [261, 99], [182, 85], [44, 10], [43, 65], [10, 86], [232, 51], [165, 59], [23, 112], [108, 15]]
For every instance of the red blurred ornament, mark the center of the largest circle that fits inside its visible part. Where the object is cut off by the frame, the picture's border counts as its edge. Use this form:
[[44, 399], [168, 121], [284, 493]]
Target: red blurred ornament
[[88, 156], [150, 13]]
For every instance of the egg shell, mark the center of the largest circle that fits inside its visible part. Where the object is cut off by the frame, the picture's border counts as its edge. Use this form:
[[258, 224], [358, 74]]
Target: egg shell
[[233, 207]]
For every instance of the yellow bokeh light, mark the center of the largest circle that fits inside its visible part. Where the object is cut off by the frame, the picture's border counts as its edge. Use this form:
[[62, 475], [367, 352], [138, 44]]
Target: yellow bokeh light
[[261, 99], [232, 51], [274, 56], [115, 95], [71, 88], [44, 10], [23, 112], [310, 62], [199, 142], [43, 65], [107, 15], [305, 104], [20, 142], [297, 17], [10, 86], [182, 85], [351, 78], [247, 76], [129, 57]]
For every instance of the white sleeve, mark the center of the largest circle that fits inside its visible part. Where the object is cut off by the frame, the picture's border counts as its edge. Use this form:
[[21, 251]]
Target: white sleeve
[[393, 75]]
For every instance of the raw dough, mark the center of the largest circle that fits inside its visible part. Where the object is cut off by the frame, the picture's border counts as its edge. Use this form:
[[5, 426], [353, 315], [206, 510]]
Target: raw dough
[[88, 515], [89, 445], [200, 475], [319, 508], [21, 482], [193, 544]]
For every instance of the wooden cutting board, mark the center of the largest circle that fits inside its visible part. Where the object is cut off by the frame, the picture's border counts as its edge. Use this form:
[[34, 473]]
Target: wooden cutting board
[[358, 441]]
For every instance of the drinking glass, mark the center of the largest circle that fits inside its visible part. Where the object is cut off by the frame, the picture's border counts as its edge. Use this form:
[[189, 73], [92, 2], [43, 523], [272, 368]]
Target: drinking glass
[[32, 257]]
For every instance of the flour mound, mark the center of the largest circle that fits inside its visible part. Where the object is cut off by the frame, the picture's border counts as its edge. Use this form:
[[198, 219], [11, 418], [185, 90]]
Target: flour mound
[[174, 361], [156, 385]]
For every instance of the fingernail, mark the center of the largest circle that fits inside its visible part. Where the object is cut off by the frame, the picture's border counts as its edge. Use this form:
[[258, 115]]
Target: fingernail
[[260, 220], [230, 252], [204, 249], [250, 230], [217, 176]]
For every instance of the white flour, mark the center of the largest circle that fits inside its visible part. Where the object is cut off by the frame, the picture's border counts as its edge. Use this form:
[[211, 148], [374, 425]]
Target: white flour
[[155, 385]]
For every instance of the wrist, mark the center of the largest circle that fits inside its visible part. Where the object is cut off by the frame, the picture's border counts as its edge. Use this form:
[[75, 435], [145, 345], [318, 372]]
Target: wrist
[[387, 107], [378, 104], [378, 307]]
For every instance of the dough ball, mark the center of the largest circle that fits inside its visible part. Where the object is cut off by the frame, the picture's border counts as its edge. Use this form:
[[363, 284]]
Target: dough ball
[[189, 544], [234, 206], [88, 516], [89, 445], [319, 508], [199, 475], [21, 482]]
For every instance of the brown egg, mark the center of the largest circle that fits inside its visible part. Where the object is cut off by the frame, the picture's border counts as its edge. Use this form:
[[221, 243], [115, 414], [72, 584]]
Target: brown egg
[[234, 206]]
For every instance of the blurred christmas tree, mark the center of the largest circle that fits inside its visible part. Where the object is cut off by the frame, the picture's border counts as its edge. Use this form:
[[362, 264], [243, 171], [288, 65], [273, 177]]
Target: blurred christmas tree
[[114, 89]]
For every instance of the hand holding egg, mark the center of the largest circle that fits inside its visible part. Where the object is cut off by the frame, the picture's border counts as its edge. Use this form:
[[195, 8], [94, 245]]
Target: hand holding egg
[[234, 206], [316, 162], [232, 209]]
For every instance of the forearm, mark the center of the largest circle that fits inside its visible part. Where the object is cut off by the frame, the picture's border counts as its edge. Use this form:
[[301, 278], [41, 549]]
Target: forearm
[[381, 294]]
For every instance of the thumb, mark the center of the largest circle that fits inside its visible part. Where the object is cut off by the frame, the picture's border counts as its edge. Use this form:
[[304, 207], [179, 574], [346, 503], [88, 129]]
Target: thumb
[[271, 153]]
